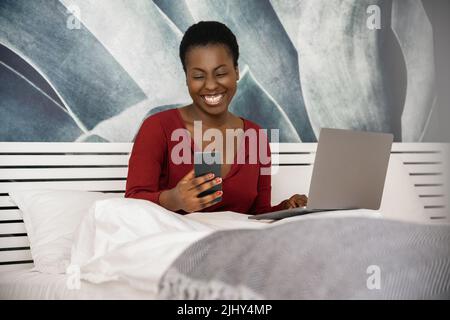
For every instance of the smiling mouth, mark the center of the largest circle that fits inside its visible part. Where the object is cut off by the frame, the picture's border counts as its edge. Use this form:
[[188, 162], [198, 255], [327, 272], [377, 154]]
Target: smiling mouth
[[213, 100]]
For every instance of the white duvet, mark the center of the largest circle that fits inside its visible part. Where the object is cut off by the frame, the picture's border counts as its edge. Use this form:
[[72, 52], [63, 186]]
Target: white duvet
[[135, 241]]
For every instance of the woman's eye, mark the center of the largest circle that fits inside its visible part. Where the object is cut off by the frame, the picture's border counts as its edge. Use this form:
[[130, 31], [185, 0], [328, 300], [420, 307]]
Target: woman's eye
[[221, 74], [198, 77]]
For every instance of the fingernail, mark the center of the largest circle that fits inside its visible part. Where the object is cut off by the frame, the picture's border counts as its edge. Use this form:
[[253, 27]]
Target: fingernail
[[219, 180], [211, 175], [219, 193]]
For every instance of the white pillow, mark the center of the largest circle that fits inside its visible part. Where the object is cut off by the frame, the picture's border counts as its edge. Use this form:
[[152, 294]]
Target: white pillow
[[51, 218]]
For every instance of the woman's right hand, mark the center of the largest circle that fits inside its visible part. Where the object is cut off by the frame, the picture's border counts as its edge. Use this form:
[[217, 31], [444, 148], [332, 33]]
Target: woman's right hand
[[184, 195]]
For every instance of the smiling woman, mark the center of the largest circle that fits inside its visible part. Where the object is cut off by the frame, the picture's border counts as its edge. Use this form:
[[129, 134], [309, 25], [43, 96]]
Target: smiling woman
[[211, 67], [209, 53]]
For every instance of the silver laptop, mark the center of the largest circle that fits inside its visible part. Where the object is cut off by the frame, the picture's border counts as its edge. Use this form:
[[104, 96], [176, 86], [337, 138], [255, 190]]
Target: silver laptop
[[349, 173]]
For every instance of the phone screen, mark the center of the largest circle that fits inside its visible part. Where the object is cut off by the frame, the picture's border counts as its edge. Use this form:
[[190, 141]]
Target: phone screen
[[203, 164]]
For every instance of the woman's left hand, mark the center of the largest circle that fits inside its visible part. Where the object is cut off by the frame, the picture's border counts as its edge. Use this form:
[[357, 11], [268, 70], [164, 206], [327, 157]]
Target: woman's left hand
[[295, 201]]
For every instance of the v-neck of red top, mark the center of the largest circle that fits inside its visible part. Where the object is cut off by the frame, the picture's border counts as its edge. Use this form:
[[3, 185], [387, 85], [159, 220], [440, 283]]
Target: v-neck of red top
[[234, 165]]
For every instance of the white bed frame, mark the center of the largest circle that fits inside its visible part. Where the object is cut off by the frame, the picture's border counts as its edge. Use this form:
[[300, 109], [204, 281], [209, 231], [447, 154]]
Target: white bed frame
[[103, 167]]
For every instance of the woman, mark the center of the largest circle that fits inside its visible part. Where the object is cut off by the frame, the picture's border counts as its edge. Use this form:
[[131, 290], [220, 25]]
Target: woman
[[209, 54]]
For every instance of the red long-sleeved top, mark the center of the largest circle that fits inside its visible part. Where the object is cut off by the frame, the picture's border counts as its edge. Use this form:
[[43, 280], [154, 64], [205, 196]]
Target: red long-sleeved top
[[151, 169]]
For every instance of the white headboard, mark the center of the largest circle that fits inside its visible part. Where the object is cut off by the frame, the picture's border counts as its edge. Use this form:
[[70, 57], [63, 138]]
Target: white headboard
[[103, 167]]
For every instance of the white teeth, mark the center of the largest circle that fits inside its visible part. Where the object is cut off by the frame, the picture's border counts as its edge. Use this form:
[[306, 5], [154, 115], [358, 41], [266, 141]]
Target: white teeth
[[213, 99]]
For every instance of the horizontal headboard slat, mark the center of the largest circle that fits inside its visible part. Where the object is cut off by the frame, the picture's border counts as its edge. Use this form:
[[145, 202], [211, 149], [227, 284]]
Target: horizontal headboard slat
[[119, 147], [293, 147], [425, 168], [10, 215], [14, 242], [72, 147], [14, 255], [396, 147], [63, 160], [430, 190], [293, 158], [427, 179], [418, 147], [12, 228], [108, 185], [16, 267], [433, 201], [422, 158], [5, 201], [61, 173]]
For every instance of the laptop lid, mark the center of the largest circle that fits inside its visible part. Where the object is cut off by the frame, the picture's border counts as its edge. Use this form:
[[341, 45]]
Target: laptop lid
[[349, 169]]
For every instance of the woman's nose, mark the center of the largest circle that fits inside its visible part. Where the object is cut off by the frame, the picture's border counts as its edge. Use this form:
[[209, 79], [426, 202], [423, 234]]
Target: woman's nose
[[210, 83]]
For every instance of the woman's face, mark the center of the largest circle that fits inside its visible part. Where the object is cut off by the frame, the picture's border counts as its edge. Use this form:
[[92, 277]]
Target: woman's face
[[211, 78]]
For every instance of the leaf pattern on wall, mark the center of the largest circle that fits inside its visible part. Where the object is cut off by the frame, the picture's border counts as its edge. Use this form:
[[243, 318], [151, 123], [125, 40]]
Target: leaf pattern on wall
[[420, 91], [305, 64]]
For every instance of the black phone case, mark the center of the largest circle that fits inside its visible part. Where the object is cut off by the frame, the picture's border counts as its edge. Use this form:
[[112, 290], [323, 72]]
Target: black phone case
[[204, 168]]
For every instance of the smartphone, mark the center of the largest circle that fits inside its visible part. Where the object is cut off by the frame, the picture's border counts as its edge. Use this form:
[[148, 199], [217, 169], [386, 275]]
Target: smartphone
[[208, 162]]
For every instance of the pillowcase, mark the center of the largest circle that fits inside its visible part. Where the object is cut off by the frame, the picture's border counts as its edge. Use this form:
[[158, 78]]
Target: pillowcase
[[51, 218]]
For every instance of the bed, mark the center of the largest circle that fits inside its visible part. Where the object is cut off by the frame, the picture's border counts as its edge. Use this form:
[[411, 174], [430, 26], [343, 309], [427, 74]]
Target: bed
[[416, 193]]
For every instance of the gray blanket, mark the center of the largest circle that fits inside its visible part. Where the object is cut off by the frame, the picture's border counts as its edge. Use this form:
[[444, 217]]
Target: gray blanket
[[343, 258]]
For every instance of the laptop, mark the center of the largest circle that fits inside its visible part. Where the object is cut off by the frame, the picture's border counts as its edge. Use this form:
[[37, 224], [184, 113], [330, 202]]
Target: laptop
[[349, 173]]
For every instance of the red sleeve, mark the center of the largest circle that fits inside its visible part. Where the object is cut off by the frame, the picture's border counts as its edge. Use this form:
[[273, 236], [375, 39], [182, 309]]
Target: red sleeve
[[262, 203], [146, 162]]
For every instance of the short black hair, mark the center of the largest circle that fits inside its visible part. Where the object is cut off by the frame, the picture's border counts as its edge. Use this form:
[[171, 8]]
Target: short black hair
[[208, 32]]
